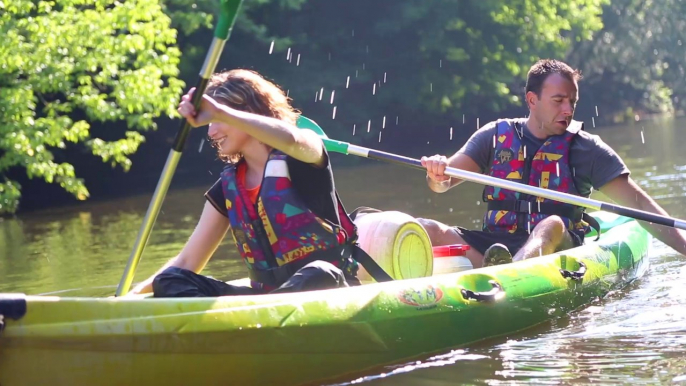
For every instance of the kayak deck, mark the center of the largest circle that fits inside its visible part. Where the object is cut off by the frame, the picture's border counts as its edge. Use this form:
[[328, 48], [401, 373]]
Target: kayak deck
[[306, 337]]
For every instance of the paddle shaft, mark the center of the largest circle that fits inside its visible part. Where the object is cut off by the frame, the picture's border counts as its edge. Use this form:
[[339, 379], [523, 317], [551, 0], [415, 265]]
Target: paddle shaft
[[227, 17], [345, 148]]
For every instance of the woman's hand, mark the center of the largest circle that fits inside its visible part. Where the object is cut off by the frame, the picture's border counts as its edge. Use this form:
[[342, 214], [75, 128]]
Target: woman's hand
[[209, 109]]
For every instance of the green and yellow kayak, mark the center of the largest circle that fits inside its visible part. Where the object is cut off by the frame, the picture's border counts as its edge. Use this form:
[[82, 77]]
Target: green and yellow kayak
[[303, 338]]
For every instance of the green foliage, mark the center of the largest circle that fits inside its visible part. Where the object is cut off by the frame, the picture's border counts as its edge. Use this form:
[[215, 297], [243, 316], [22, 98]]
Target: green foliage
[[637, 61], [99, 60]]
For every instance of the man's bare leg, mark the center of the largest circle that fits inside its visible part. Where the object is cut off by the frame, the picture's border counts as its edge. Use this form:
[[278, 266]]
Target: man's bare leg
[[441, 234], [549, 236]]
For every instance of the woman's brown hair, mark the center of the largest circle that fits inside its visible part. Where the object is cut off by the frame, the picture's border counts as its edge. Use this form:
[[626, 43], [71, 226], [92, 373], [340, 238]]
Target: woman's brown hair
[[249, 91]]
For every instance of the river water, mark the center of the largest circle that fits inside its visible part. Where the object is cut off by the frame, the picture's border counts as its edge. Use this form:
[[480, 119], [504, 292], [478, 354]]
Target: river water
[[636, 336]]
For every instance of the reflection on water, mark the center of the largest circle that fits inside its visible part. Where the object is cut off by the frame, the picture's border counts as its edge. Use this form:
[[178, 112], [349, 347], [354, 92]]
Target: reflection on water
[[635, 336]]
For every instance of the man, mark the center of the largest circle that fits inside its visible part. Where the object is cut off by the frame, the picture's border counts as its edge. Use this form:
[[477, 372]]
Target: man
[[548, 149]]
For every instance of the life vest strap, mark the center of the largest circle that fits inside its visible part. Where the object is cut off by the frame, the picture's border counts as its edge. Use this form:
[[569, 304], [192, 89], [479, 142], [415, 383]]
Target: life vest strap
[[574, 213], [529, 207], [275, 277]]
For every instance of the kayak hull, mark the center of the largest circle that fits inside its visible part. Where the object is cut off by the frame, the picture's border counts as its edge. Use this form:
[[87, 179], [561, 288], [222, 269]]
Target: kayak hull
[[305, 337]]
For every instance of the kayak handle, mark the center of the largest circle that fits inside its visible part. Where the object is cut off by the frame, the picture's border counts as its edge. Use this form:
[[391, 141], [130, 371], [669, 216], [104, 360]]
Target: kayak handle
[[496, 293], [575, 275]]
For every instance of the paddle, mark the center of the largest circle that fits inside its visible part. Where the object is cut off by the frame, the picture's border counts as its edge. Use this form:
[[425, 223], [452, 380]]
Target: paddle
[[346, 148], [227, 18]]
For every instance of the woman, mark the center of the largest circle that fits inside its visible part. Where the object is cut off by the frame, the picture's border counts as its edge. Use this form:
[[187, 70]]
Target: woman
[[276, 195]]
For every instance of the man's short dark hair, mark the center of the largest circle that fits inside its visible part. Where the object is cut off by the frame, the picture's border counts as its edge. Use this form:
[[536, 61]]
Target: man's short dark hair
[[540, 71]]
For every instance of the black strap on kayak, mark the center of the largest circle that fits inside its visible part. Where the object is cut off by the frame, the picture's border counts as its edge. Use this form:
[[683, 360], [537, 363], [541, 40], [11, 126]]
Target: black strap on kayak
[[275, 277], [12, 306], [593, 223], [572, 212]]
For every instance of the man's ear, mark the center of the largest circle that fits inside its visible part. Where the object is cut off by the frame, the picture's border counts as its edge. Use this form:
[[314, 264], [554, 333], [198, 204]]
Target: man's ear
[[531, 99]]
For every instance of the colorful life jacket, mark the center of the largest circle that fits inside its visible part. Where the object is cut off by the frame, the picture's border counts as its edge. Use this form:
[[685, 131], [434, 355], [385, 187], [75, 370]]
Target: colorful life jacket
[[279, 235], [546, 167]]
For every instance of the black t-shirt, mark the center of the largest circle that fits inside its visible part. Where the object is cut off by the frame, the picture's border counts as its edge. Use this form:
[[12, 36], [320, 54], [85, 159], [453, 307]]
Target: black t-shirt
[[314, 185], [592, 161]]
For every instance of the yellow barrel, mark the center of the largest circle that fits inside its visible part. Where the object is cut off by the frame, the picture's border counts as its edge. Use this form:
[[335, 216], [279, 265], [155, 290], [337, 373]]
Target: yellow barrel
[[397, 242]]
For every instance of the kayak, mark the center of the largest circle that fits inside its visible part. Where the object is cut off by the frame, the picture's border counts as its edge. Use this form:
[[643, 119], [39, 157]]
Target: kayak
[[310, 337]]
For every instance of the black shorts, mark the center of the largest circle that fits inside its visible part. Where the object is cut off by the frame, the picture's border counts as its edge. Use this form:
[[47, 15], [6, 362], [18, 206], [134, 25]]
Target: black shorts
[[480, 240], [179, 282]]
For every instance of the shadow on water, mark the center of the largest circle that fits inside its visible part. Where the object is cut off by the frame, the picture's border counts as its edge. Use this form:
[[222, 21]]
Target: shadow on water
[[635, 336]]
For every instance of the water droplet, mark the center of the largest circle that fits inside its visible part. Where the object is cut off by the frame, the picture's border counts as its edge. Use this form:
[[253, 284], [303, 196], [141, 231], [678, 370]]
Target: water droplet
[[494, 141], [288, 54], [596, 111], [637, 118], [271, 48], [557, 168], [440, 63], [356, 73], [353, 32], [374, 89], [369, 125], [593, 121], [384, 77], [380, 136], [202, 142], [329, 56], [321, 93], [334, 113], [450, 210], [363, 66], [316, 96], [396, 120], [354, 129], [478, 203], [451, 133], [347, 82], [383, 125], [367, 48], [463, 119], [297, 62], [477, 123], [332, 95], [431, 87], [643, 139], [288, 91]]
